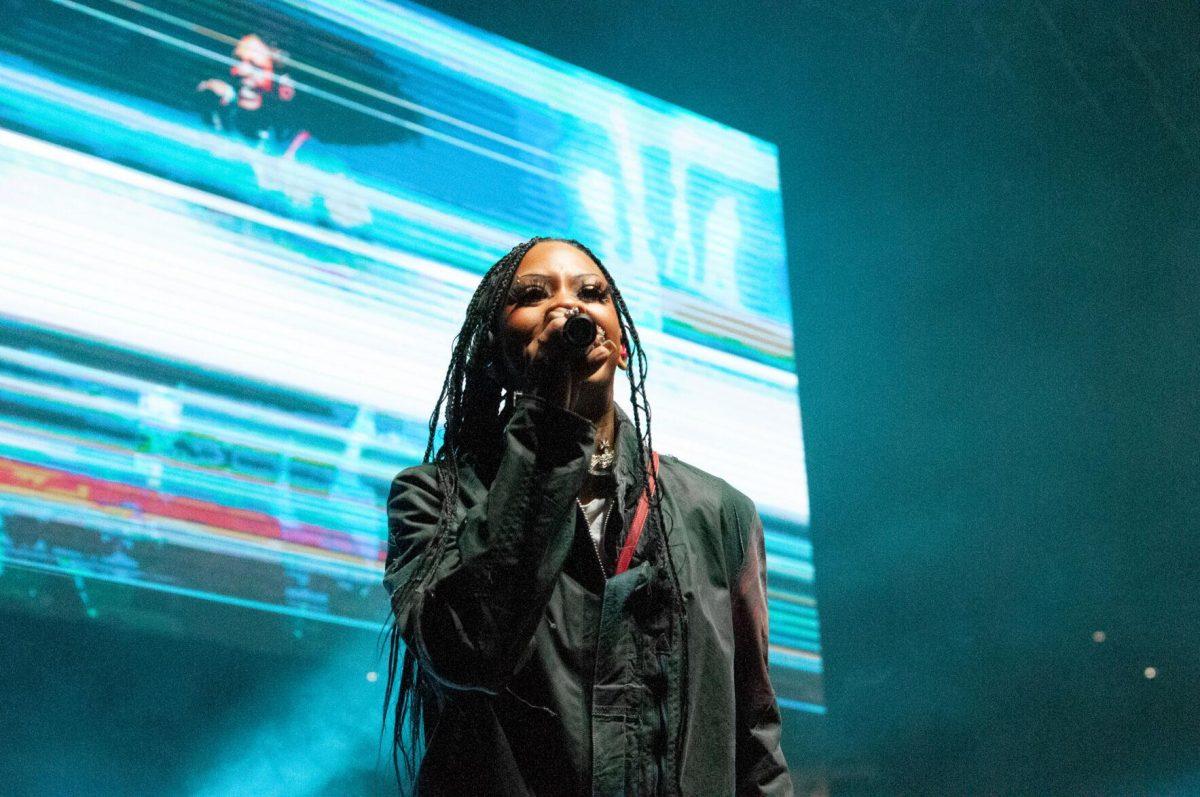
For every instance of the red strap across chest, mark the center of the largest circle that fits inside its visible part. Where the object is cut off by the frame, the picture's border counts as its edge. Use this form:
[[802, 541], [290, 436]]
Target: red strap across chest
[[639, 518]]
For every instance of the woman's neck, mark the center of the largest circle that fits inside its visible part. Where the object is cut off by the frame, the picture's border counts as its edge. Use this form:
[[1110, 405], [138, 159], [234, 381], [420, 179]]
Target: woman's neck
[[606, 428]]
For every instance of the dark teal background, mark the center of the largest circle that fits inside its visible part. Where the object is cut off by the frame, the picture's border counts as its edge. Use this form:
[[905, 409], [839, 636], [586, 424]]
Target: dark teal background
[[992, 221]]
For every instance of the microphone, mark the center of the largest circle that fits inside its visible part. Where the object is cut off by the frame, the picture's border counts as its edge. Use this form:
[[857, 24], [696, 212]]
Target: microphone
[[579, 331]]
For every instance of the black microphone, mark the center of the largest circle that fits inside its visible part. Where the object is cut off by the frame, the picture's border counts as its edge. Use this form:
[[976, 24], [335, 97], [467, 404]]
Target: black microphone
[[579, 332]]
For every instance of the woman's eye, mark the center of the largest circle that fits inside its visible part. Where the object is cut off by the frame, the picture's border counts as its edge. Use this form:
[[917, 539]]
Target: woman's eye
[[593, 292], [527, 294]]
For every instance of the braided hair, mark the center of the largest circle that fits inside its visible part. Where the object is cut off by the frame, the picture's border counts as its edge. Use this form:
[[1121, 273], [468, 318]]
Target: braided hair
[[469, 414]]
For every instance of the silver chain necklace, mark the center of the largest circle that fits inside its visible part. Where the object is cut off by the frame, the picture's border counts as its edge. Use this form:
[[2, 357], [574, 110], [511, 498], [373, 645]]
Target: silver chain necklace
[[603, 459]]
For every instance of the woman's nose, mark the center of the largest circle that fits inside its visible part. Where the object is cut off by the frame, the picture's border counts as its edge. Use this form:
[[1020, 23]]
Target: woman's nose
[[568, 304]]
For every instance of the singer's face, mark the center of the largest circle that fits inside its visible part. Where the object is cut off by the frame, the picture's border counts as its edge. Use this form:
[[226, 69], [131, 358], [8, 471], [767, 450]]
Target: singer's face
[[552, 280]]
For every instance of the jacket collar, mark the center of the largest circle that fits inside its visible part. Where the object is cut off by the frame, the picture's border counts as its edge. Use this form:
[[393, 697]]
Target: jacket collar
[[627, 469]]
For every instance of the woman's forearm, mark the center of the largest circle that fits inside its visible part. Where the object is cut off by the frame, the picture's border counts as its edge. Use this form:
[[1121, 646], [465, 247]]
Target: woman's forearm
[[473, 619]]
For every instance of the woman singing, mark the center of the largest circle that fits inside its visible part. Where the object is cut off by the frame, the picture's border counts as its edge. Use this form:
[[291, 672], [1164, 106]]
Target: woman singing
[[579, 615]]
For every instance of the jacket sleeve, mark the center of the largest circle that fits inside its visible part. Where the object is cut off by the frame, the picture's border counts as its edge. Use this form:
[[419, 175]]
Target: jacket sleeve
[[476, 616], [760, 766]]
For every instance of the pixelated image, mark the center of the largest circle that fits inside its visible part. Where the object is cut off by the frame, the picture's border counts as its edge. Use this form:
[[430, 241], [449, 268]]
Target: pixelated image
[[239, 237]]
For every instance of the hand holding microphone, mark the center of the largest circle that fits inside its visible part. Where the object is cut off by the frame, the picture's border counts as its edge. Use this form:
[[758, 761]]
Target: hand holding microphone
[[569, 350]]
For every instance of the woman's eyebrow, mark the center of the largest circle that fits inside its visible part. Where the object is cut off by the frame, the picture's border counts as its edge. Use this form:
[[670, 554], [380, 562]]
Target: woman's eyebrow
[[537, 277]]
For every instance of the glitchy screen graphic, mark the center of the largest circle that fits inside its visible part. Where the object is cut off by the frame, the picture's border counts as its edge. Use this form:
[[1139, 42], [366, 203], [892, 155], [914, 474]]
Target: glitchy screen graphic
[[239, 237]]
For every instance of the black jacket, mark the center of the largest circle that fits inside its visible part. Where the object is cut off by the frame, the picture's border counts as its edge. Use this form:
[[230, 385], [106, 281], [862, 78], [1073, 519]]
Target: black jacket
[[556, 679]]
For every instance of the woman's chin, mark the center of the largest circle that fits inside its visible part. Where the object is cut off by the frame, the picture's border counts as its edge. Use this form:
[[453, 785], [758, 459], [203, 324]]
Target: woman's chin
[[603, 372]]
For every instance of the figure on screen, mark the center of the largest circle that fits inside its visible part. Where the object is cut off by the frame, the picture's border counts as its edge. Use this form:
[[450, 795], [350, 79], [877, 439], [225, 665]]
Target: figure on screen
[[573, 614], [257, 103]]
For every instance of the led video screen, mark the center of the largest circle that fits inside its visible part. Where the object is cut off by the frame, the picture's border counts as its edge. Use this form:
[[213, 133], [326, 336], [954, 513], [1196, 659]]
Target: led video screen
[[240, 236]]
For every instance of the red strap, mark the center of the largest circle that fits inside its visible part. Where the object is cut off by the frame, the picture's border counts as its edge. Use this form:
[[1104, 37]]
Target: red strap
[[639, 518]]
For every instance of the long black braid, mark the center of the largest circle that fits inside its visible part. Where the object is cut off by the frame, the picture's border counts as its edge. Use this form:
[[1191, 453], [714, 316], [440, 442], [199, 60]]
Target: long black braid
[[471, 400]]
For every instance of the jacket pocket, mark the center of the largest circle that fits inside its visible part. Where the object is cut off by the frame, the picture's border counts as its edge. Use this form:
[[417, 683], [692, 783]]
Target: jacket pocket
[[614, 755]]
